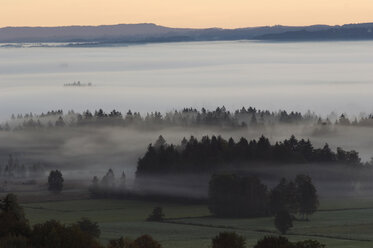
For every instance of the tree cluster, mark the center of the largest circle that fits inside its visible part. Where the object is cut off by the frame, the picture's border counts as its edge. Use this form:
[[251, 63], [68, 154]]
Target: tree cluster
[[232, 195], [295, 197], [108, 186], [209, 154]]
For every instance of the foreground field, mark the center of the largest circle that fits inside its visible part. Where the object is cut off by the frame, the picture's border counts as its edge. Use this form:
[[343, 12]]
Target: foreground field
[[339, 223]]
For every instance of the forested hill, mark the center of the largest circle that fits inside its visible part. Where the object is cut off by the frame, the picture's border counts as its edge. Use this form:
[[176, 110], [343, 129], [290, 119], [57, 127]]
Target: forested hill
[[148, 32], [346, 32]]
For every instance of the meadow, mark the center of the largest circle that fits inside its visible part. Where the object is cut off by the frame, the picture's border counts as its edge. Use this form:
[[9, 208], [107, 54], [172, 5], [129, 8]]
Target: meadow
[[338, 223]]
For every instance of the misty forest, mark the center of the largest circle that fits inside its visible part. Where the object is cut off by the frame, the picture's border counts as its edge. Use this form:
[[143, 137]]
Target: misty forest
[[230, 169], [175, 124]]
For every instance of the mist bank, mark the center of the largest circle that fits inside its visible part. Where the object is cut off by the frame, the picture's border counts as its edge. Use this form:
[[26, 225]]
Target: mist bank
[[182, 172], [336, 181], [84, 151]]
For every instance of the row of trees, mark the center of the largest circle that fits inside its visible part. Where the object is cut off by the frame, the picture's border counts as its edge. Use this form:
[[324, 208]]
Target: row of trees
[[220, 117], [14, 169], [232, 195], [234, 240], [209, 154]]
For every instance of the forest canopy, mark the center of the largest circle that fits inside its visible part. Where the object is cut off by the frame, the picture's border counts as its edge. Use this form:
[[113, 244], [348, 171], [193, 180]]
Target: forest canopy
[[211, 154]]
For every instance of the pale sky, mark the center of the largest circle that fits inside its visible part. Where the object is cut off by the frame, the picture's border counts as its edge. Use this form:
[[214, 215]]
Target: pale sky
[[184, 13]]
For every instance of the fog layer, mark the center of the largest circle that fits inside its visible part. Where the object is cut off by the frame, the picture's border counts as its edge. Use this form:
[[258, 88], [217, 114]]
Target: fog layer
[[323, 77]]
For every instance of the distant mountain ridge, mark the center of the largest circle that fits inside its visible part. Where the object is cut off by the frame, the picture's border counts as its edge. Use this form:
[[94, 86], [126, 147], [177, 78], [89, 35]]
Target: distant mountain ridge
[[148, 32]]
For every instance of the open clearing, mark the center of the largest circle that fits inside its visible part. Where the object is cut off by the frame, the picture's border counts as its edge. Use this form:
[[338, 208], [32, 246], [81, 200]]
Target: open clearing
[[339, 223]]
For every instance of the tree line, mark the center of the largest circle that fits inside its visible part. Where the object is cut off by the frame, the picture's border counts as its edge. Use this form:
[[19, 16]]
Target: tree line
[[220, 117], [210, 154], [13, 168], [186, 117]]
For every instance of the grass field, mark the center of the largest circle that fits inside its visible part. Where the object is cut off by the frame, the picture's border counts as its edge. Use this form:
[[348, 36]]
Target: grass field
[[339, 223]]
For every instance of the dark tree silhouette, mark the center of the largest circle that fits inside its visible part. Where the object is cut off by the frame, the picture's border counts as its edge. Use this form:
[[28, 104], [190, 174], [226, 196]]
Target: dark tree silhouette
[[12, 218], [283, 221], [237, 196], [307, 195], [284, 197], [55, 181], [228, 240]]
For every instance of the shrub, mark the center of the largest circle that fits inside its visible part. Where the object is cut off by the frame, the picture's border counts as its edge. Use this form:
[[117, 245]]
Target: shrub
[[156, 215]]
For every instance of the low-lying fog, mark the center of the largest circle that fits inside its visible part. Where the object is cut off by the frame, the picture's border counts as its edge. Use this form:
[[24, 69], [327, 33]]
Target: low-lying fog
[[87, 151], [322, 77]]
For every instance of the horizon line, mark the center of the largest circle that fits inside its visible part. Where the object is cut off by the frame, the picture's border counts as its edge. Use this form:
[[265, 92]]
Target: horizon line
[[150, 23]]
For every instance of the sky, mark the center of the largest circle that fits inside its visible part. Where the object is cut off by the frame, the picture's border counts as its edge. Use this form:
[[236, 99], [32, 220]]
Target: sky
[[184, 13]]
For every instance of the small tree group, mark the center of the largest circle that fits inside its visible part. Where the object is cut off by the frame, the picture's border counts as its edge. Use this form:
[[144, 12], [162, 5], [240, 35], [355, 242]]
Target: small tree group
[[108, 186], [298, 197], [231, 195], [291, 198]]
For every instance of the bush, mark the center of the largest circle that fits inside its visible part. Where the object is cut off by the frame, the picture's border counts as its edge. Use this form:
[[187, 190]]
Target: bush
[[156, 215], [14, 242], [145, 241], [89, 227], [309, 244], [120, 243], [53, 234], [274, 242], [228, 240]]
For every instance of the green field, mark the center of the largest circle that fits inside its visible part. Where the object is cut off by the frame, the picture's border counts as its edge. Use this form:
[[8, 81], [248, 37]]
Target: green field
[[340, 223]]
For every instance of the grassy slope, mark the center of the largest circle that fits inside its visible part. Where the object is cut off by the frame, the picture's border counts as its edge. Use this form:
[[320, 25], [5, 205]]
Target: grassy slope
[[334, 225]]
